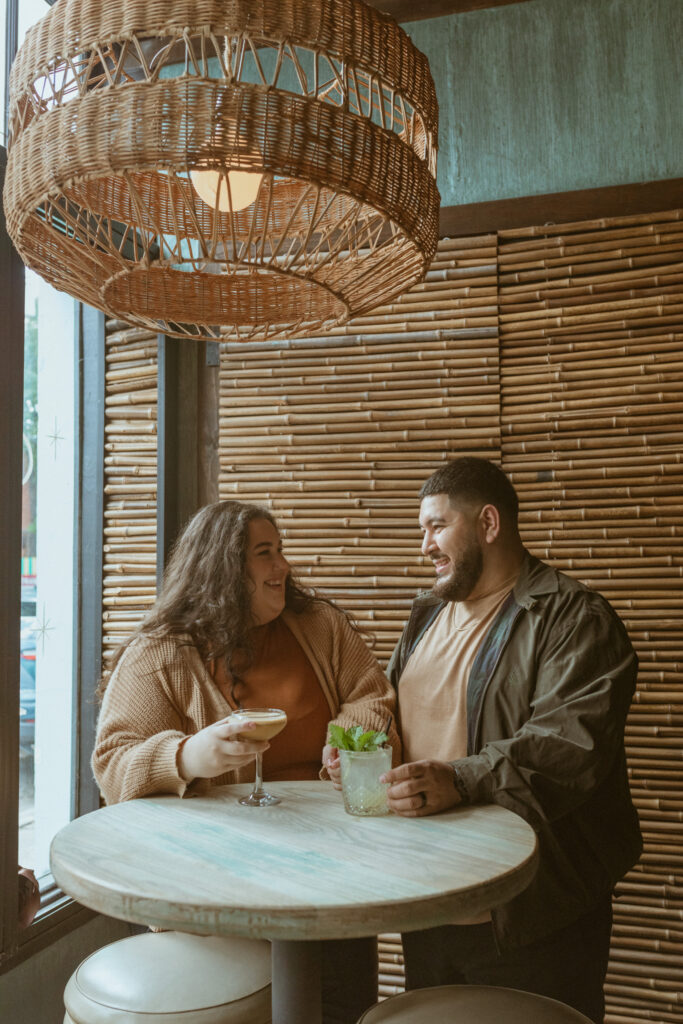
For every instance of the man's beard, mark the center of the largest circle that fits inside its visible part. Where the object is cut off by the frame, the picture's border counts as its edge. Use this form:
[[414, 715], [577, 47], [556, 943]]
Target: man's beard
[[459, 583]]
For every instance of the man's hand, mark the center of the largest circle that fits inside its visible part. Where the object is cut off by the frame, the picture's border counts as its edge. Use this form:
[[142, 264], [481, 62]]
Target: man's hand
[[421, 787], [333, 765]]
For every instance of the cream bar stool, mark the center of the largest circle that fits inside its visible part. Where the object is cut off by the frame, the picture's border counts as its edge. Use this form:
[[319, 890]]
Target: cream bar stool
[[172, 978], [470, 1004]]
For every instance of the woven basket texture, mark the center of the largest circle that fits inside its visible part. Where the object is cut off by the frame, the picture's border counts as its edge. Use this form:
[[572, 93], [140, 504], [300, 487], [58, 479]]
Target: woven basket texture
[[113, 107]]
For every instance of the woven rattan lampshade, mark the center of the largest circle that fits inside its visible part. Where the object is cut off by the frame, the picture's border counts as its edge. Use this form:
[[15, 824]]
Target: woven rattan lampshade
[[115, 105]]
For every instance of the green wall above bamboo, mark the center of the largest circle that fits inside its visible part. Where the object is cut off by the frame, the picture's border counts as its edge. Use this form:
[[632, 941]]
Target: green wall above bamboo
[[556, 95]]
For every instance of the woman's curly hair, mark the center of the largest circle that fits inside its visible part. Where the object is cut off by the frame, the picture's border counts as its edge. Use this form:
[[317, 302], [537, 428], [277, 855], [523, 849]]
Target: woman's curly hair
[[205, 591]]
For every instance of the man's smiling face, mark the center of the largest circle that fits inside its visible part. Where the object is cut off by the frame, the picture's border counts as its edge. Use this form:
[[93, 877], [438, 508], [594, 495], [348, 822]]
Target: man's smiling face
[[451, 541]]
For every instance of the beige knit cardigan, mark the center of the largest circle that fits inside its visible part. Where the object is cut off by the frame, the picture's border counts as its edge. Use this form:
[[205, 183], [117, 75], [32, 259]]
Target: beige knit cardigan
[[161, 692]]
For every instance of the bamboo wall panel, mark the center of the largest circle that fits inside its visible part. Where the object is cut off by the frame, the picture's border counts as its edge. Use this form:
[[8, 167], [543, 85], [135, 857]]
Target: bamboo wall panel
[[335, 435], [391, 976], [130, 480], [591, 329]]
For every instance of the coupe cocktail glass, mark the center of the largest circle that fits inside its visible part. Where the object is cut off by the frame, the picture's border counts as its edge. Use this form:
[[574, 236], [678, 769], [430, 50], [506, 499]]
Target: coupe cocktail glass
[[269, 722]]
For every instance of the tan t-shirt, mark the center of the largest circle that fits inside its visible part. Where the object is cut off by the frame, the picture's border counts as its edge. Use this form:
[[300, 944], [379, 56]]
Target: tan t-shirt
[[432, 695], [433, 687]]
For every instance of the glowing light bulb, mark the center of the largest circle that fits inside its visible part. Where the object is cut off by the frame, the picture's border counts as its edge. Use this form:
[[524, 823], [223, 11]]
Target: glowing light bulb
[[212, 188]]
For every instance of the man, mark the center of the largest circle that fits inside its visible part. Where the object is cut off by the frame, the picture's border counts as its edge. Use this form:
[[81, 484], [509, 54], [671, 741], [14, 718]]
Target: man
[[514, 682]]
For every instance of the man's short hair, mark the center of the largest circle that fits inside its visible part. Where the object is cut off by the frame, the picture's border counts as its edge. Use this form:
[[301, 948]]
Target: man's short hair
[[474, 480]]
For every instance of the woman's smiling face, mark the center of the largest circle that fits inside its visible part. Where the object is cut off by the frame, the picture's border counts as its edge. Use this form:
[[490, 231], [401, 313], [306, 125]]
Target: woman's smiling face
[[267, 570]]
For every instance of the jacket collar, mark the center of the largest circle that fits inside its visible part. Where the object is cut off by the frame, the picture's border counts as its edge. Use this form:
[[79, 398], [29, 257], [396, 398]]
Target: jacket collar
[[535, 578]]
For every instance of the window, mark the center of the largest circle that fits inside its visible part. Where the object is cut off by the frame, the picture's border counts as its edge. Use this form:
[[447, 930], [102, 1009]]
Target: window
[[46, 438], [29, 12], [47, 582]]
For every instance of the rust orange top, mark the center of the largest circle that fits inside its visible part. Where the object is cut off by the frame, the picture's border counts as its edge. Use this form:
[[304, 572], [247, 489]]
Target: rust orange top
[[281, 676]]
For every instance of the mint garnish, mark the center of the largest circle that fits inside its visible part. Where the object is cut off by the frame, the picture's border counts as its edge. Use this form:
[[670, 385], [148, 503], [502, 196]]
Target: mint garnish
[[356, 739]]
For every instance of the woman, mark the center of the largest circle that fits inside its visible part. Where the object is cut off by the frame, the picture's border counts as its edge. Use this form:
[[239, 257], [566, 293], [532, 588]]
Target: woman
[[231, 628]]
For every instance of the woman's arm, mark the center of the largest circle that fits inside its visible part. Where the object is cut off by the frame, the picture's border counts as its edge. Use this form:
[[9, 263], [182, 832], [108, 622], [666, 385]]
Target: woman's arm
[[142, 745], [365, 695]]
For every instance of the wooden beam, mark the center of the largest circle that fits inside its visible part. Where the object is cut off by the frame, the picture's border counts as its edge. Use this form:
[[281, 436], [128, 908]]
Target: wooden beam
[[208, 425], [560, 207], [408, 10], [90, 526], [178, 430]]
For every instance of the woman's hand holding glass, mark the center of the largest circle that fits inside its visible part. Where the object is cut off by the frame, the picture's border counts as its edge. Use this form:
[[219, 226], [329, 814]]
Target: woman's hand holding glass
[[333, 765], [216, 750]]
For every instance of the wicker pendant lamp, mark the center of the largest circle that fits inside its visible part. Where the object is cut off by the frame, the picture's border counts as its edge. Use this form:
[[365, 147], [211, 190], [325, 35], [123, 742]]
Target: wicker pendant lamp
[[223, 168]]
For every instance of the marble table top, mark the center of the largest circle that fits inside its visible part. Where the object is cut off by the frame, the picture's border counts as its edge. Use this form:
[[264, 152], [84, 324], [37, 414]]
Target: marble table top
[[303, 869]]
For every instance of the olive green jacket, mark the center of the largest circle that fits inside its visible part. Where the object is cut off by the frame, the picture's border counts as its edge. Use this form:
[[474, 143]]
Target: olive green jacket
[[547, 700]]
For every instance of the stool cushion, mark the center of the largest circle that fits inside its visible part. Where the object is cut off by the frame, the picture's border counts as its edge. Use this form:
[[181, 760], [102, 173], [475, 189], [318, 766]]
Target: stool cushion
[[172, 978], [471, 1004]]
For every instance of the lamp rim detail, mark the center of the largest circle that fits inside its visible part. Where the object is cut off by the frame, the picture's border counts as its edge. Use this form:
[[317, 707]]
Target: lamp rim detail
[[104, 142]]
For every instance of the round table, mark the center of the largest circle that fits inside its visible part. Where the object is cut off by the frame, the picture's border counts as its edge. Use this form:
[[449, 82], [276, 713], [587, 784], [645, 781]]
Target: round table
[[297, 873]]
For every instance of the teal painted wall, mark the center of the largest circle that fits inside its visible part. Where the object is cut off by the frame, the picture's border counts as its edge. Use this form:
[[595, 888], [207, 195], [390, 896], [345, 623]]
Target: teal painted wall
[[556, 95]]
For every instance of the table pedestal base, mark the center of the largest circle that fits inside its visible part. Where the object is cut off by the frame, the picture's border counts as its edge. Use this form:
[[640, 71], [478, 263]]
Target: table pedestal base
[[296, 982]]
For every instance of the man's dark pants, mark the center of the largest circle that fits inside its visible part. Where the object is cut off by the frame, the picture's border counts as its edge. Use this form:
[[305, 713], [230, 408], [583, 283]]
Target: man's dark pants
[[568, 965]]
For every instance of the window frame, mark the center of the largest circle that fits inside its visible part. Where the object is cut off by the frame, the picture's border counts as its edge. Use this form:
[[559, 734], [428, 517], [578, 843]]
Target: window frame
[[58, 913], [11, 423], [89, 574]]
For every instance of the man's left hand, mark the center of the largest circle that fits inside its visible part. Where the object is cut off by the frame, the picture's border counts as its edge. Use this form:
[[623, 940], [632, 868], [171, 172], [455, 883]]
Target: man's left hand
[[421, 787]]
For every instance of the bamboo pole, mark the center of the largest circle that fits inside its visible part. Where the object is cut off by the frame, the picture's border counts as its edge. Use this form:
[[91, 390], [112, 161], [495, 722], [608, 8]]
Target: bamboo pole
[[130, 506]]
